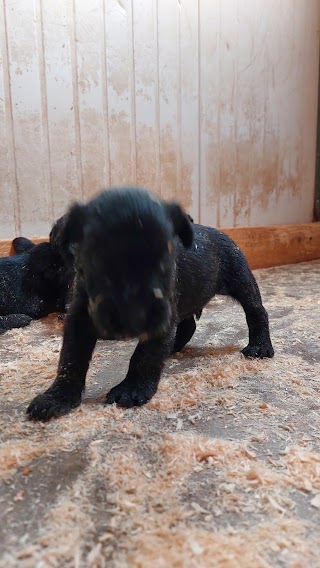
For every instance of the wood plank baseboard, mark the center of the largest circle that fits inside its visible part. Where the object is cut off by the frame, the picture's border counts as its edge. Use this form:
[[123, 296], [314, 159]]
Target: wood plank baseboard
[[264, 247], [277, 245]]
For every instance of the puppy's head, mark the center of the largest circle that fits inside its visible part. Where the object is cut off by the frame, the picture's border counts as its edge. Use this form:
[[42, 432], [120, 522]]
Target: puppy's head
[[21, 245], [124, 242]]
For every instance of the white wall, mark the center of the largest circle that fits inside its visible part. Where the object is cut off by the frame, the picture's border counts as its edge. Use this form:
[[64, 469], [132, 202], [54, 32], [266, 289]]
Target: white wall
[[212, 102]]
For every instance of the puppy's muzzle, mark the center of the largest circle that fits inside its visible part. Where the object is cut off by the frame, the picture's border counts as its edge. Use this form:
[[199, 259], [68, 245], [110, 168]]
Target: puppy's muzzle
[[131, 320]]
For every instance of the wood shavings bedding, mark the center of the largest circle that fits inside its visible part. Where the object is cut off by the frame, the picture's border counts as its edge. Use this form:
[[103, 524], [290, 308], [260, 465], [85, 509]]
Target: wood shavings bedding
[[221, 468]]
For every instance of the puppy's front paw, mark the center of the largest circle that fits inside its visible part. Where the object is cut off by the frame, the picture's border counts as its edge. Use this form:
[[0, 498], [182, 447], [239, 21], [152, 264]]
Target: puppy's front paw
[[258, 351], [128, 395], [51, 404]]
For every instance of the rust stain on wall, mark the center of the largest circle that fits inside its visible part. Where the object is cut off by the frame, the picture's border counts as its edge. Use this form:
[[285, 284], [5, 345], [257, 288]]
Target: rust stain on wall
[[146, 157], [120, 148], [94, 171], [186, 185], [168, 164]]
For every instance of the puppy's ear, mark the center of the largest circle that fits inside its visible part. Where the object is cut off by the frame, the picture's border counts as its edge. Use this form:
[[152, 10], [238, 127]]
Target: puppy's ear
[[20, 245], [181, 223]]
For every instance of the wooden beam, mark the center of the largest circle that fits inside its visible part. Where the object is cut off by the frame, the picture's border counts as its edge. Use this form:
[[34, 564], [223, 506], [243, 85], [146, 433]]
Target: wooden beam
[[277, 245], [263, 246]]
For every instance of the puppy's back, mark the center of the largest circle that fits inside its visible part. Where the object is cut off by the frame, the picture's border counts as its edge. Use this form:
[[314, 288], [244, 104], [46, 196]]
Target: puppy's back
[[207, 268], [210, 247]]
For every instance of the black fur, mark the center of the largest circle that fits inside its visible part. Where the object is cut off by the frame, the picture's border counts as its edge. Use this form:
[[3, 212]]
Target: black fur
[[136, 277], [34, 282], [21, 244]]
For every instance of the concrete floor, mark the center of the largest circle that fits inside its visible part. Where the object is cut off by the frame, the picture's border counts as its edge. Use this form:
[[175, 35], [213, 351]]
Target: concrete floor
[[221, 468]]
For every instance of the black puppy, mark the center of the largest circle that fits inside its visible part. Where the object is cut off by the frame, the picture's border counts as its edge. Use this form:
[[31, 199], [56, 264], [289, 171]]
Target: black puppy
[[135, 278], [35, 282]]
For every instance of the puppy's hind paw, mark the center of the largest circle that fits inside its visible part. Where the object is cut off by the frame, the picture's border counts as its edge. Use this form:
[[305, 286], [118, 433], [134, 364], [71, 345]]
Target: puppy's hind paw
[[258, 351], [129, 395], [51, 404]]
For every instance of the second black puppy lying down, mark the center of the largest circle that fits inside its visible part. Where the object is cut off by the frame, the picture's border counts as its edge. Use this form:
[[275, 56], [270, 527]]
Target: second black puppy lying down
[[35, 282], [135, 278]]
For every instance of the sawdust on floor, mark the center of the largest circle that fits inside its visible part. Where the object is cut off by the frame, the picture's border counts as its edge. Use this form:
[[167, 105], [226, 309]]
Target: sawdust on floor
[[220, 469]]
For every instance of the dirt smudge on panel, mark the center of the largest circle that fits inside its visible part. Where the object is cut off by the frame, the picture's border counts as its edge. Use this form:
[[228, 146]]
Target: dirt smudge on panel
[[120, 148], [118, 80], [85, 82], [169, 171], [243, 178], [168, 161], [29, 156], [186, 185], [211, 174], [290, 183], [146, 157], [94, 160], [64, 172], [227, 167]]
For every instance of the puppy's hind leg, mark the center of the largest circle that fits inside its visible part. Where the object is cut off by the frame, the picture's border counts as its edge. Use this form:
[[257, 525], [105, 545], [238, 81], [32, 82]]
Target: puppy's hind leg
[[244, 288], [185, 331]]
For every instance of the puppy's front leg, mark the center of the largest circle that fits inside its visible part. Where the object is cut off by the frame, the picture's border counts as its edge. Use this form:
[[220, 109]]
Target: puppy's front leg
[[143, 376], [78, 344]]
